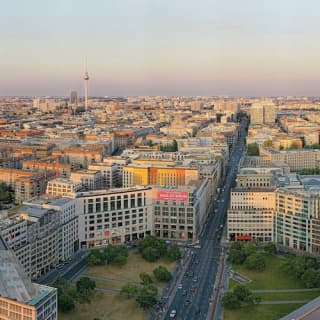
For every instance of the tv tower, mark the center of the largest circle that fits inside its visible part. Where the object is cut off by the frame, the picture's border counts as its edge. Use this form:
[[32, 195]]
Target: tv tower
[[86, 80]]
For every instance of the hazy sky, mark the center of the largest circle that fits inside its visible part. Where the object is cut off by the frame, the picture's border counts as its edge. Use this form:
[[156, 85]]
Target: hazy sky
[[160, 47]]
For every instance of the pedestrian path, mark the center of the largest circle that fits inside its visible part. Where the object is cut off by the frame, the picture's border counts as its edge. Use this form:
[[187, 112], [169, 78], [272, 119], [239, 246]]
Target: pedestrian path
[[285, 290], [284, 301]]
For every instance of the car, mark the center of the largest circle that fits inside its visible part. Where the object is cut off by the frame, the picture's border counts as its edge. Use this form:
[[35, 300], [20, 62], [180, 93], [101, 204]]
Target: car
[[195, 279], [173, 313], [180, 286], [184, 292]]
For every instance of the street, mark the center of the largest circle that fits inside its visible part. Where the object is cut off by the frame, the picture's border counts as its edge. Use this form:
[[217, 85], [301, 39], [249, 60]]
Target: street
[[194, 286]]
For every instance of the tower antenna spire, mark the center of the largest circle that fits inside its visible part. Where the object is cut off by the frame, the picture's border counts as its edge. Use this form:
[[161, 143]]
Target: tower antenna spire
[[86, 82]]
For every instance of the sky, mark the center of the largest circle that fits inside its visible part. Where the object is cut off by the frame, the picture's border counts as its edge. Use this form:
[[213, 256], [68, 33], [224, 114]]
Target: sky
[[160, 47]]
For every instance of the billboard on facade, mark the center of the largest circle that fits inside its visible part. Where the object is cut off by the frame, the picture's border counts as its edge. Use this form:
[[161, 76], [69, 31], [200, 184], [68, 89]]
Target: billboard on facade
[[171, 195]]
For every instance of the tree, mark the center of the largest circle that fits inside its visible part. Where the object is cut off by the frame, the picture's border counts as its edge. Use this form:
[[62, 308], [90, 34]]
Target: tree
[[236, 256], [173, 253], [147, 296], [253, 149], [270, 248], [116, 255], [230, 301], [120, 260], [294, 146], [244, 295], [153, 242], [151, 254], [85, 286], [240, 295], [5, 193], [255, 261], [66, 303], [129, 290], [311, 278], [174, 146], [267, 143], [162, 274], [96, 257], [145, 278]]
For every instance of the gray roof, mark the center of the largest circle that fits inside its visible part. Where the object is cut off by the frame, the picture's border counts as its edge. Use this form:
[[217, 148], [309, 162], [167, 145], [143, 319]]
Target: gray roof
[[14, 283], [34, 211]]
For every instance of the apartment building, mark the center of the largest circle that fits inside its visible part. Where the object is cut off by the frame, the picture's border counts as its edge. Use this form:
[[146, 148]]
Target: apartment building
[[62, 170], [296, 159], [153, 175], [42, 234], [26, 184], [113, 216], [66, 208], [19, 297], [109, 173], [120, 162], [89, 179], [62, 187]]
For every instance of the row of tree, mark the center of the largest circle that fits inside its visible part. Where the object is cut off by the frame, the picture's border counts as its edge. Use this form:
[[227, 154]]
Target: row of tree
[[303, 268], [313, 146], [173, 147], [251, 254], [153, 248], [146, 294], [253, 149], [113, 254], [309, 171], [69, 294]]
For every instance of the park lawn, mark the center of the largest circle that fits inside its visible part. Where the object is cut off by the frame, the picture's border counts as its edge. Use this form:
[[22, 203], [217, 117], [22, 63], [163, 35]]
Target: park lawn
[[109, 284], [130, 272], [112, 306], [278, 296], [260, 312], [106, 306], [273, 277]]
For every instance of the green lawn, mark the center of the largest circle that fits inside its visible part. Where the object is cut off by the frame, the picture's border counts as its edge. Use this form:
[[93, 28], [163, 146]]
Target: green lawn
[[271, 278], [260, 312], [106, 306]]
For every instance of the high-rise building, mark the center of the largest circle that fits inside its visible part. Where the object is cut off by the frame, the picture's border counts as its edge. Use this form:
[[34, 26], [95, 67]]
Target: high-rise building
[[256, 114], [263, 113], [73, 98], [269, 114]]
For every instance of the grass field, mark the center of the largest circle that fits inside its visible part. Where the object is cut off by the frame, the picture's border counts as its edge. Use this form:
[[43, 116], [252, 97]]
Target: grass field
[[260, 312], [273, 277], [130, 272], [110, 306], [106, 306]]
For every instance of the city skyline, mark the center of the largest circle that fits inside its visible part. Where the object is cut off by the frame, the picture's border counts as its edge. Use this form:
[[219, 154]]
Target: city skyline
[[160, 48]]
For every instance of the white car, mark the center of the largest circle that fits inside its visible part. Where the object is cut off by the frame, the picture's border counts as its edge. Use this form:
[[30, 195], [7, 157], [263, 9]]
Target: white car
[[180, 286], [173, 313]]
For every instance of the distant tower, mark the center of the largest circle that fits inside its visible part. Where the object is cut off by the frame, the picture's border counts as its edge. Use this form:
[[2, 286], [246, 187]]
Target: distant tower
[[86, 80], [73, 98]]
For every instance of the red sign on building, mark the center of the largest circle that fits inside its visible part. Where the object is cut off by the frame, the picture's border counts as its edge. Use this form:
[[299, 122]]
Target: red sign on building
[[179, 196]]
